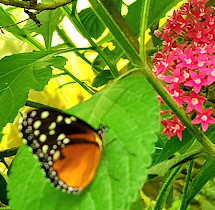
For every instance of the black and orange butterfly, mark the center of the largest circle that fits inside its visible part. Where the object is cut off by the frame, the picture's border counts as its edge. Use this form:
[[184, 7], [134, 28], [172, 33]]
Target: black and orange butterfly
[[68, 148]]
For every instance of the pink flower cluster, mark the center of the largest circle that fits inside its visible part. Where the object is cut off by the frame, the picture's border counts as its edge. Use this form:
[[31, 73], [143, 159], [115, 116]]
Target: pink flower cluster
[[186, 64]]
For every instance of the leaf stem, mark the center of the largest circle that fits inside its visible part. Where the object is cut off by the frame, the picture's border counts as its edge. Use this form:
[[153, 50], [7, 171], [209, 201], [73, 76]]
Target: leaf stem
[[116, 28], [39, 105], [39, 7], [184, 197], [83, 31], [78, 81], [143, 27], [167, 184], [69, 42]]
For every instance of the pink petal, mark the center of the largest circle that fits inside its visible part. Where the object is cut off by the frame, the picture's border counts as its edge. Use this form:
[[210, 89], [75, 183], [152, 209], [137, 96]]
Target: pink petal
[[198, 108], [197, 120], [186, 99], [193, 75], [189, 83], [197, 88], [179, 134], [208, 111], [211, 120], [204, 126], [189, 108]]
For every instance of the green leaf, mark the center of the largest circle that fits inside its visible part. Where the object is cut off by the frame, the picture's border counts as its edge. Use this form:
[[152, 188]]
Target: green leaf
[[102, 78], [3, 187], [205, 173], [112, 54], [6, 20], [128, 108], [18, 74], [162, 167], [91, 23], [49, 20], [171, 146], [158, 9]]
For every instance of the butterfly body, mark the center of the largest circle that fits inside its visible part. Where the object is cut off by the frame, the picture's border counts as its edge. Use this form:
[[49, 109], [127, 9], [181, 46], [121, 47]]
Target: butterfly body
[[68, 148]]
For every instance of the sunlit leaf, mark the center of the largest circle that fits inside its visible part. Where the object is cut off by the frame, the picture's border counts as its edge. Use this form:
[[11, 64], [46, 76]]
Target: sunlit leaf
[[128, 108]]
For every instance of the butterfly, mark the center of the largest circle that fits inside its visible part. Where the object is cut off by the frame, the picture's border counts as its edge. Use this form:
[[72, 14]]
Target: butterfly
[[68, 148]]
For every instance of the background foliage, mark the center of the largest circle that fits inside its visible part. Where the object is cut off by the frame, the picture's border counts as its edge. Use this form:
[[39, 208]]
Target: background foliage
[[120, 98]]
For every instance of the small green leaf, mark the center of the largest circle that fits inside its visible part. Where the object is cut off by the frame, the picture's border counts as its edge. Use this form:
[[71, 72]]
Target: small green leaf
[[102, 78], [112, 54], [6, 20], [157, 10], [171, 146], [128, 108], [162, 167], [205, 173], [3, 187], [91, 23], [49, 20], [18, 74]]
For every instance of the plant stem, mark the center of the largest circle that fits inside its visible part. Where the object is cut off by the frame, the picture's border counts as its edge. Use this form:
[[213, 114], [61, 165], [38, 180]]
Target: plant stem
[[116, 28], [69, 42], [184, 197], [143, 27], [39, 7], [166, 187], [132, 54], [39, 105], [83, 31], [78, 81]]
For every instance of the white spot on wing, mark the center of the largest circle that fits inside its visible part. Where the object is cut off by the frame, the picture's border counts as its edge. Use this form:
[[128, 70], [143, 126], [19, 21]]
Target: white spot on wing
[[36, 132], [66, 141], [59, 118], [52, 132], [37, 124], [20, 127], [42, 137], [44, 114], [61, 136], [73, 118], [52, 126], [68, 120], [33, 113], [45, 148]]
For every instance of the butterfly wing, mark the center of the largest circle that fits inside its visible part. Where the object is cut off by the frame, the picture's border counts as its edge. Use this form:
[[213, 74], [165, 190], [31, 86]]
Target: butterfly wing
[[68, 148]]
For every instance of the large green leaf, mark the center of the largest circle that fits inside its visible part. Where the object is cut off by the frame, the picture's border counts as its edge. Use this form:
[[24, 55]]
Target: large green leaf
[[158, 9], [49, 20], [18, 74], [128, 108]]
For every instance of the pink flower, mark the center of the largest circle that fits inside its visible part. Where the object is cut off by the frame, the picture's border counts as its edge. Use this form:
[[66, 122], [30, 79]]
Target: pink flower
[[199, 34], [197, 81], [211, 74], [176, 94], [204, 118], [187, 58], [194, 101], [172, 128], [176, 78]]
